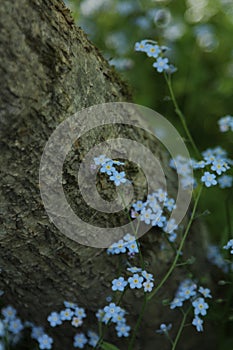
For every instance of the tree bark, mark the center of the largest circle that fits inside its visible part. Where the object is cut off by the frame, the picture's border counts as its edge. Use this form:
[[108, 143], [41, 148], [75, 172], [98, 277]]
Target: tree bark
[[50, 70]]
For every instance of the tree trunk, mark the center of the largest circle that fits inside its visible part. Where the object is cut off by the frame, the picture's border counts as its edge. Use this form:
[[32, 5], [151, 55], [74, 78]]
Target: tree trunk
[[49, 71]]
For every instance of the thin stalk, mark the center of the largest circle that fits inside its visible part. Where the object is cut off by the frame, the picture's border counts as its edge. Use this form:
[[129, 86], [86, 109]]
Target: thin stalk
[[179, 249], [132, 340], [180, 115], [180, 331]]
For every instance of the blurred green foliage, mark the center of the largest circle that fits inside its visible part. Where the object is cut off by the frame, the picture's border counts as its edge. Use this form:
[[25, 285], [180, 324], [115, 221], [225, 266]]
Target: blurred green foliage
[[199, 33]]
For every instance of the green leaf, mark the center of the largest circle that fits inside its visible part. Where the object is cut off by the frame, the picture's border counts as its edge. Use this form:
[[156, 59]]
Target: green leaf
[[108, 346]]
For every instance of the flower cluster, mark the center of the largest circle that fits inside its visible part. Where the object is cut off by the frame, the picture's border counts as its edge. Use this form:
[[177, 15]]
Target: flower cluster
[[152, 49], [214, 164], [11, 321], [38, 333], [184, 168], [80, 339], [188, 290], [226, 123], [127, 244], [108, 166], [229, 245], [151, 212], [75, 315], [140, 279], [115, 314], [11, 326]]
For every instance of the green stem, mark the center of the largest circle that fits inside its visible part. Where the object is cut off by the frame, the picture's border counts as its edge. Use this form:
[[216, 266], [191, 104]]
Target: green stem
[[180, 115], [132, 340], [179, 249], [180, 330]]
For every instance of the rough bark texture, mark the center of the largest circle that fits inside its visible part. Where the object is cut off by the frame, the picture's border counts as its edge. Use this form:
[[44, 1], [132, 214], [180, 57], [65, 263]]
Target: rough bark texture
[[49, 70]]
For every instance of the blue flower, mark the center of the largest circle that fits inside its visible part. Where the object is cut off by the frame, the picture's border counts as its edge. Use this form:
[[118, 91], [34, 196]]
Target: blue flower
[[226, 123], [170, 226], [156, 208], [209, 159], [135, 281], [148, 286], [219, 166], [9, 313], [215, 257], [133, 248], [159, 221], [172, 236], [209, 179], [80, 312], [119, 284], [147, 216], [118, 178], [15, 326], [229, 245], [176, 302], [141, 46], [54, 319], [77, 321], [134, 269], [70, 305], [147, 276], [79, 340], [129, 238], [122, 330], [119, 319], [101, 159], [197, 322], [120, 246], [161, 195], [117, 162], [111, 310], [151, 198], [170, 204], [37, 332], [186, 292], [100, 314], [152, 50], [200, 306], [164, 328], [108, 168], [199, 165], [66, 314], [161, 64], [139, 205], [205, 292], [93, 338], [109, 298], [225, 181], [45, 342]]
